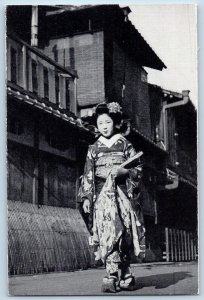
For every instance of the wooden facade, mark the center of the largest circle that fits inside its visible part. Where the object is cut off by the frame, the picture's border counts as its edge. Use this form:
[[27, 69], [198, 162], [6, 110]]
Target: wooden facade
[[43, 165]]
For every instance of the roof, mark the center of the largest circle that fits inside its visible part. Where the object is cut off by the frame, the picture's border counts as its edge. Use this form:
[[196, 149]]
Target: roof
[[46, 106], [173, 96], [149, 141], [103, 17], [189, 182], [143, 51]]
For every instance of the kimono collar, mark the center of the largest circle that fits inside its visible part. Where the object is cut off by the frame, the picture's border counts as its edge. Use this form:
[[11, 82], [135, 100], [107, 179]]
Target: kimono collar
[[110, 142]]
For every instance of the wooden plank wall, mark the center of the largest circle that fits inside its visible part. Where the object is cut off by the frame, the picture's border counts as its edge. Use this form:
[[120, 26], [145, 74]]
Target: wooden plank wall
[[20, 173], [56, 178], [181, 245], [46, 239]]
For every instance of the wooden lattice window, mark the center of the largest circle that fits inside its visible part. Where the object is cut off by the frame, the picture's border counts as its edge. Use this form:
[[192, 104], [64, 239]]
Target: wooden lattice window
[[34, 77], [72, 57], [13, 65], [46, 83], [67, 86], [15, 125], [57, 89]]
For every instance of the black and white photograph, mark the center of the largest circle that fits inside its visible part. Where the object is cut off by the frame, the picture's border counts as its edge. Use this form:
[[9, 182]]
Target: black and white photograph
[[101, 106]]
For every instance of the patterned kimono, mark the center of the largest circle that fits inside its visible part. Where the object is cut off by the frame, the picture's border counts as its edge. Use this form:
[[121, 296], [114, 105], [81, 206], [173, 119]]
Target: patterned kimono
[[116, 218]]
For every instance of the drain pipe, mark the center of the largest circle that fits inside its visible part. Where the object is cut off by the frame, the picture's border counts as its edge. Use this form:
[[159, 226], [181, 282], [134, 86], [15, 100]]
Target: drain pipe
[[164, 113]]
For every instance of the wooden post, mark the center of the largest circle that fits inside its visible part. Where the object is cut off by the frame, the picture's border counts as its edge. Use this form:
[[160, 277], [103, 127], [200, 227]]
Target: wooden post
[[62, 89], [155, 210], [77, 184], [182, 245], [24, 71], [171, 244], [185, 246], [8, 54], [195, 252], [45, 190], [73, 96], [40, 79], [51, 75], [36, 160], [192, 256], [175, 245], [189, 248], [35, 183], [29, 71], [167, 243], [179, 244]]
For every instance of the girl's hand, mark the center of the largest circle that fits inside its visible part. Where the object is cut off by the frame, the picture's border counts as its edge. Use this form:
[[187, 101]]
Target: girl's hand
[[117, 172], [86, 206]]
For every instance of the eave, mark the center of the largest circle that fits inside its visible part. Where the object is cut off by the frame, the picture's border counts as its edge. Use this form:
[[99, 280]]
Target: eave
[[141, 50], [149, 142], [29, 99]]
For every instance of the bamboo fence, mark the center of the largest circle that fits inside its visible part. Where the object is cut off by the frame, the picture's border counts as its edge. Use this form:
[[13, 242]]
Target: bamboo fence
[[46, 239]]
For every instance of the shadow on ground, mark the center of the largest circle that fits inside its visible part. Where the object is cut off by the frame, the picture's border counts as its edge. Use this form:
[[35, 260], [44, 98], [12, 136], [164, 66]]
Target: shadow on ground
[[161, 281]]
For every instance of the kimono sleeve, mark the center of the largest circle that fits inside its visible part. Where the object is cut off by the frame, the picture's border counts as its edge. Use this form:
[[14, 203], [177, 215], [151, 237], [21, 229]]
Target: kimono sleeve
[[136, 172], [86, 189]]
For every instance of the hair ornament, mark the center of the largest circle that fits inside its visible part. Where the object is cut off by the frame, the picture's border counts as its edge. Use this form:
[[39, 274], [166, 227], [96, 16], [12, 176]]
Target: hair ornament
[[114, 107]]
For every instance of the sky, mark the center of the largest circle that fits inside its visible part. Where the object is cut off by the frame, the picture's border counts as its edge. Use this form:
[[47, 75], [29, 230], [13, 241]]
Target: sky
[[170, 29]]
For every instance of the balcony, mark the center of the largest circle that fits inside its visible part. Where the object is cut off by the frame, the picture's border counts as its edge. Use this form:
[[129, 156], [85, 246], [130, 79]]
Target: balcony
[[31, 70]]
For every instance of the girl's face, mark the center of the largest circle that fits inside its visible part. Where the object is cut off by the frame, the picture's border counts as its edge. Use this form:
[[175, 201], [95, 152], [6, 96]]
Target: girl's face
[[105, 125]]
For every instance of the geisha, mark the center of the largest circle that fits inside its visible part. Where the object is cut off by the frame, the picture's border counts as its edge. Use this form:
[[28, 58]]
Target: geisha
[[110, 193]]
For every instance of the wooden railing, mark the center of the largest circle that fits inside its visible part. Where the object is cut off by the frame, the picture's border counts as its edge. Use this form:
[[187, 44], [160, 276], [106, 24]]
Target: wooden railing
[[33, 71], [180, 245]]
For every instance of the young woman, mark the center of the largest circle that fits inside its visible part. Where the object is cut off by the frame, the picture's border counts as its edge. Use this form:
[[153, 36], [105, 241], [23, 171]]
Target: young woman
[[110, 193]]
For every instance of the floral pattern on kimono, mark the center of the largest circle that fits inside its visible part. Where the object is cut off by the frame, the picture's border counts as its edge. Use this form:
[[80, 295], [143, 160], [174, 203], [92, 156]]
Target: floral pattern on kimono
[[112, 210]]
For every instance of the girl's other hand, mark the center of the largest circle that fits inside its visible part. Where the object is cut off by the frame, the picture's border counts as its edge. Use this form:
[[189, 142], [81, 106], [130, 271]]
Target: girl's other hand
[[86, 206], [117, 172]]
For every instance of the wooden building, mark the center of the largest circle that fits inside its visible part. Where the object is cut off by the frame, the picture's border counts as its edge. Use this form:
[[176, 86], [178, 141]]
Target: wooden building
[[98, 56], [46, 232], [174, 121]]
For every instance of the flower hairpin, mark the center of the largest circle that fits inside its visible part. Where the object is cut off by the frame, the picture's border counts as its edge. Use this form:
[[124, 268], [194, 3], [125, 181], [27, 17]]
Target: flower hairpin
[[114, 107]]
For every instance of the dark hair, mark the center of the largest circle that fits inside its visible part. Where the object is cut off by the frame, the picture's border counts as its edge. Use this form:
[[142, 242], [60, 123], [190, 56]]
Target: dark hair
[[103, 109]]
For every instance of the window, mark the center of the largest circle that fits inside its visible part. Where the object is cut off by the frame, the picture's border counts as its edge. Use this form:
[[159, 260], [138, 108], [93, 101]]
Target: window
[[56, 138], [28, 68], [46, 83], [67, 95], [72, 58], [13, 65], [57, 90], [55, 53], [14, 125], [34, 77]]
